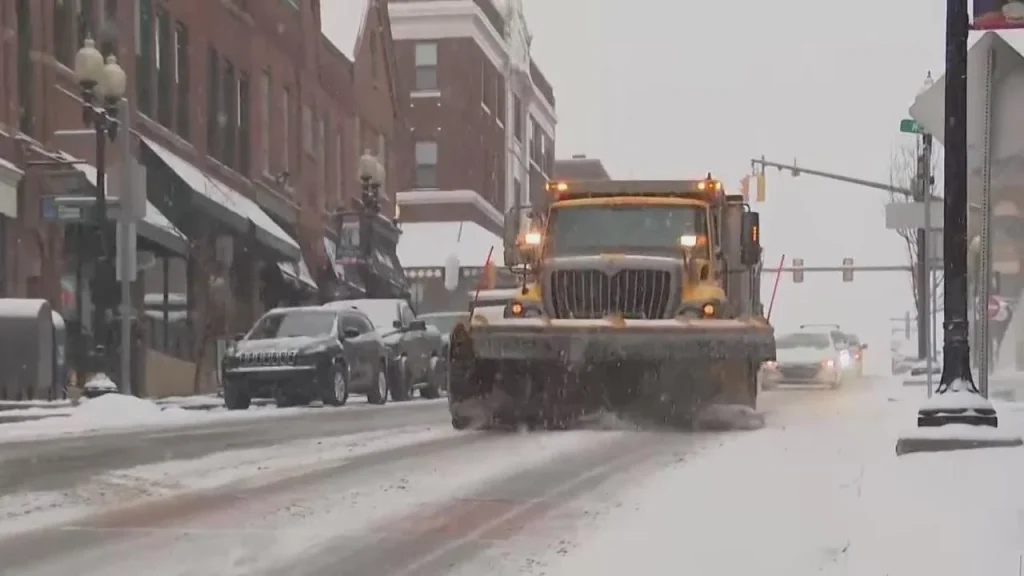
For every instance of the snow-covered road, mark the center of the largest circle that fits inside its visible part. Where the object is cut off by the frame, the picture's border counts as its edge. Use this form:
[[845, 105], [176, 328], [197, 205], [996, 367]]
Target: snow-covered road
[[397, 492]]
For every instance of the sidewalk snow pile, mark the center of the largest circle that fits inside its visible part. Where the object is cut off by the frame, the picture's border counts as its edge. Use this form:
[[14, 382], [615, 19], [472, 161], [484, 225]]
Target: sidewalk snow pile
[[820, 495], [107, 412]]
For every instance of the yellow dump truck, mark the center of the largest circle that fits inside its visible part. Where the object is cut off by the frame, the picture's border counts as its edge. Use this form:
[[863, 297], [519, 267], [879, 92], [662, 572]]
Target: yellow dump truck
[[635, 295]]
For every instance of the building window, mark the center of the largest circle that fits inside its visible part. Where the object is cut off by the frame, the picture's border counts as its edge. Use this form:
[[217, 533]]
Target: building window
[[517, 189], [181, 80], [426, 164], [339, 163], [244, 132], [65, 25], [374, 64], [164, 95], [307, 130], [286, 129], [426, 66], [327, 137], [266, 84], [293, 3], [517, 117], [229, 116], [26, 96], [320, 144], [213, 110], [145, 34]]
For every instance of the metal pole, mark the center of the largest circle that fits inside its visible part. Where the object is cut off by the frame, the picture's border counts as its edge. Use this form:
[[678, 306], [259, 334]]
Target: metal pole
[[99, 295], [924, 257], [985, 265], [921, 266], [956, 357], [125, 253]]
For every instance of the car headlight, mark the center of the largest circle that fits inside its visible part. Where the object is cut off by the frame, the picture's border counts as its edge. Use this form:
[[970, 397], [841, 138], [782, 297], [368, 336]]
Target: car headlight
[[520, 310], [828, 363]]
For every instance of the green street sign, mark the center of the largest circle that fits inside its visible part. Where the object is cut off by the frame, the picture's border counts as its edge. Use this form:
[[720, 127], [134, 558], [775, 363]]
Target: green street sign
[[910, 126]]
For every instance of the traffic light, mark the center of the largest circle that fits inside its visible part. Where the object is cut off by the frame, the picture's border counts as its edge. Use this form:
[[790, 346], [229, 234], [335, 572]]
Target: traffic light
[[847, 269], [798, 274], [745, 188], [760, 187]]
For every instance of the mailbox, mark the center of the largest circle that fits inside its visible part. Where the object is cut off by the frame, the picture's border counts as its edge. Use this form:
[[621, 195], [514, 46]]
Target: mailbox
[[27, 352]]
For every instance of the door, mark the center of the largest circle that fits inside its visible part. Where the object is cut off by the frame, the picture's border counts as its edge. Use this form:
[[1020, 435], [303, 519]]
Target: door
[[358, 348], [415, 344]]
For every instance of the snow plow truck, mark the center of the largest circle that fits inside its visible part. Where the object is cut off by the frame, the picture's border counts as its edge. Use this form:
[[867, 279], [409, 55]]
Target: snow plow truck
[[636, 296]]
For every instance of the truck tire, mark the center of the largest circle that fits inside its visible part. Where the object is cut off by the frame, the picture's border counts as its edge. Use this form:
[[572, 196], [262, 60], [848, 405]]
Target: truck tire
[[236, 396]]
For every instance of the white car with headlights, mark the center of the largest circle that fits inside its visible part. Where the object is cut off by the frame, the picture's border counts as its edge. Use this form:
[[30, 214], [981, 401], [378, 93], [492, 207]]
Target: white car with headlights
[[806, 357]]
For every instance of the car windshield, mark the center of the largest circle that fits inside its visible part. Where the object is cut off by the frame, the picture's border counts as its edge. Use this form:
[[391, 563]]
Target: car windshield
[[445, 321], [585, 229], [803, 340], [382, 313], [293, 323]]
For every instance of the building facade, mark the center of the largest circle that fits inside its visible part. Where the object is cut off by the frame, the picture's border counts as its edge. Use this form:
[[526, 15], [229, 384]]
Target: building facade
[[249, 121], [481, 112]]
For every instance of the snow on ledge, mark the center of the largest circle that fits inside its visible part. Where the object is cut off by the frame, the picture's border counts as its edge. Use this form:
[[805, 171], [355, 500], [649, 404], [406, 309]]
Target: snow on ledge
[[964, 432], [959, 397]]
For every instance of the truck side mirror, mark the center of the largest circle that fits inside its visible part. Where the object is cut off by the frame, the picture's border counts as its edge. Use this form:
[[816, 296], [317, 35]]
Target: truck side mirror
[[511, 238], [751, 242]]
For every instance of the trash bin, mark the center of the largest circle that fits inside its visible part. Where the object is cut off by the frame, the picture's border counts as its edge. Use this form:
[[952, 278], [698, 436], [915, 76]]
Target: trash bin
[[59, 391], [26, 349]]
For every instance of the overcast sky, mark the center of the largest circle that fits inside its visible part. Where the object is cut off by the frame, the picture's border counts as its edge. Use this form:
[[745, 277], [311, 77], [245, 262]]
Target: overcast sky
[[674, 89]]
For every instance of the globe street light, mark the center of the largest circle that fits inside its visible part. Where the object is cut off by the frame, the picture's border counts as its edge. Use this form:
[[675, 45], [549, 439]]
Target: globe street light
[[103, 84]]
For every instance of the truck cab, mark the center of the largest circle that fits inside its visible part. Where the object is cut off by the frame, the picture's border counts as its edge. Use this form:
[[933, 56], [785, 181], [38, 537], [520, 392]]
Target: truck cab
[[637, 250]]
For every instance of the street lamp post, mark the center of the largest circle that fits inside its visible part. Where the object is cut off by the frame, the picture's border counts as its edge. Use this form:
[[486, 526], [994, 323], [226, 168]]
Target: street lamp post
[[371, 174], [103, 84], [970, 407]]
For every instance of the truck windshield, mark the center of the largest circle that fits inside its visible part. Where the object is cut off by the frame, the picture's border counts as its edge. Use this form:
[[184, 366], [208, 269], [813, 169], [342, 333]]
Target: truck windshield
[[576, 229]]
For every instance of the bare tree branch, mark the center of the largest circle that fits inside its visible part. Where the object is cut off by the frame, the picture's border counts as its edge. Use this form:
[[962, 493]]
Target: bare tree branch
[[903, 174]]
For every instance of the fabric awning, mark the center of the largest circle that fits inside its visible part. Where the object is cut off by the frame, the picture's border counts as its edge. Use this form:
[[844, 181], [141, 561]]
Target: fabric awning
[[228, 205], [155, 226]]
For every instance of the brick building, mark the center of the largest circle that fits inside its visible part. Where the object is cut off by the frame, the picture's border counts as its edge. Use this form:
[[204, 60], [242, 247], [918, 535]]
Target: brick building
[[250, 119], [482, 119]]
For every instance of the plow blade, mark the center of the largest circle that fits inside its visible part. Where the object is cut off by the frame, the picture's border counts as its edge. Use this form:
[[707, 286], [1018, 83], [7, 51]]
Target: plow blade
[[551, 372]]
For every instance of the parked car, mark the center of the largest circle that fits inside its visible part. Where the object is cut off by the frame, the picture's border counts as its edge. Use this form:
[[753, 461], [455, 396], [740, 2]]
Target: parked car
[[444, 322], [296, 355], [416, 359], [810, 356]]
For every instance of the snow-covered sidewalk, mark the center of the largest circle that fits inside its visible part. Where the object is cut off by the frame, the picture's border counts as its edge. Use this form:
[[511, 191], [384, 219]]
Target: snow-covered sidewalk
[[116, 412], [821, 493]]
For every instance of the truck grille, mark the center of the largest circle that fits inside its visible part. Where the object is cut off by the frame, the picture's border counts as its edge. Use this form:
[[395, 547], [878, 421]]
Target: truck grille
[[590, 294]]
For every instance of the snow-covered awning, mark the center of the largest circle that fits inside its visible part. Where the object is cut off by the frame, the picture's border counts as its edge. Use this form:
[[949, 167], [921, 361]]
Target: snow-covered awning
[[154, 226], [429, 244], [298, 272], [228, 205]]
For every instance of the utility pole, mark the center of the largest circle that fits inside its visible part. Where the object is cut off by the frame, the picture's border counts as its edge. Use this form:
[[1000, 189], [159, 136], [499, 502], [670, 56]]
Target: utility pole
[[922, 180]]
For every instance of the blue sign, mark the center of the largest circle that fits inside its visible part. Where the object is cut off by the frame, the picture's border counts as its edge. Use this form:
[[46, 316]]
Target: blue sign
[[998, 14]]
